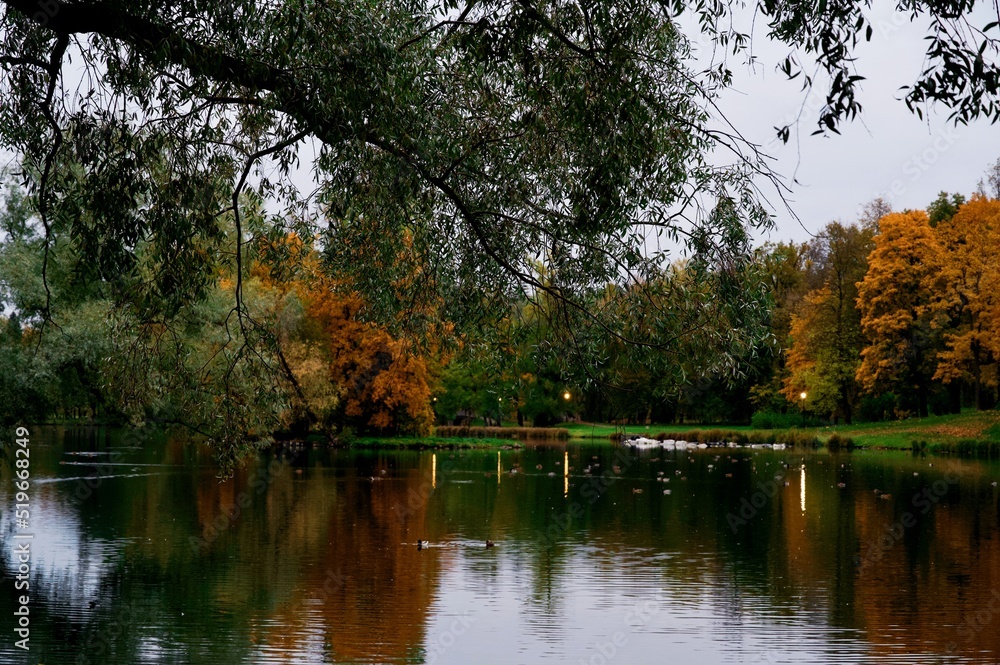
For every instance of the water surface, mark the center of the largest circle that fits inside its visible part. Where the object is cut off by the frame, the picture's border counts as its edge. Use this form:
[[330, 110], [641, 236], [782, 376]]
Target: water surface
[[142, 555]]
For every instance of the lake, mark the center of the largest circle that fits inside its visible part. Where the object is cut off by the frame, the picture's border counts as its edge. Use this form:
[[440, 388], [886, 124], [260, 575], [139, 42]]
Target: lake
[[140, 554]]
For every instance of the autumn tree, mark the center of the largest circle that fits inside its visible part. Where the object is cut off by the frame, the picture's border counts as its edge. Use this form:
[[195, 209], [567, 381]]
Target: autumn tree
[[826, 335], [904, 269], [969, 301], [384, 384], [341, 369]]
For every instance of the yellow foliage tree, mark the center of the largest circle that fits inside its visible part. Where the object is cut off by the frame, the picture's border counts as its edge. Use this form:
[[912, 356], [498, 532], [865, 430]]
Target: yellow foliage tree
[[969, 302], [894, 298]]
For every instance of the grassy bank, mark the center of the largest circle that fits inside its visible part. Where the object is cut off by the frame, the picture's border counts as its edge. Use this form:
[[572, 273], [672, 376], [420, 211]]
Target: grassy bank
[[967, 432], [959, 432]]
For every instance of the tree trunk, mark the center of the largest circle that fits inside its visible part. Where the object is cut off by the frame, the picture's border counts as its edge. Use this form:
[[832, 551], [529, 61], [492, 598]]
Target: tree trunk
[[922, 400]]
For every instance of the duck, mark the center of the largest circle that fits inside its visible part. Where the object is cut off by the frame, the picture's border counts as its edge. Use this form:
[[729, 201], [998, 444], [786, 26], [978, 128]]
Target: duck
[[421, 544], [489, 544]]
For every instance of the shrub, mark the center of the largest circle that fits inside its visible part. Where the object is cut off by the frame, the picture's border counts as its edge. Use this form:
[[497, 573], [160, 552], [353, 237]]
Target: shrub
[[837, 442], [772, 420]]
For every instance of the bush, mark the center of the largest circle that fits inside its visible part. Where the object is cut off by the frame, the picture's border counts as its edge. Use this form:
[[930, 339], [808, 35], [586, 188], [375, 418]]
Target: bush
[[970, 448], [773, 420], [873, 409], [837, 442]]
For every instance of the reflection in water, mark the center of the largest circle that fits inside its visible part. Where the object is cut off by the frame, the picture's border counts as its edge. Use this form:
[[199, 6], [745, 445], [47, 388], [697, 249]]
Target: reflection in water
[[565, 466], [802, 493], [312, 557]]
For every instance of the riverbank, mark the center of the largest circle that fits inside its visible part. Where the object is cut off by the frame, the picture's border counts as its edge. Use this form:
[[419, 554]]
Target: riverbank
[[967, 432]]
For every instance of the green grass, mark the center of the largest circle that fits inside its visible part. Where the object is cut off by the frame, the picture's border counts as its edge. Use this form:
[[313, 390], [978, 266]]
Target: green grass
[[603, 431], [949, 432]]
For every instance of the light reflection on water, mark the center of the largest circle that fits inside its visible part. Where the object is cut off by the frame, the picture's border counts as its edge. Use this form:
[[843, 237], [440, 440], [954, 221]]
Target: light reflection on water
[[311, 557]]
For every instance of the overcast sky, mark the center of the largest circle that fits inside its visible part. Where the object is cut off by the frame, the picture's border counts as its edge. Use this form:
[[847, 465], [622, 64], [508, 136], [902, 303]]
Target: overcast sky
[[887, 151]]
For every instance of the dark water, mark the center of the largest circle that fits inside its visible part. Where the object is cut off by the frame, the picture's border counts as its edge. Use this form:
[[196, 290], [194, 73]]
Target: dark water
[[141, 555]]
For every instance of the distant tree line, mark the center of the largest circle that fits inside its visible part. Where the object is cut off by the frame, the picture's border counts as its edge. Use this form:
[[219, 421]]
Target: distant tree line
[[894, 315]]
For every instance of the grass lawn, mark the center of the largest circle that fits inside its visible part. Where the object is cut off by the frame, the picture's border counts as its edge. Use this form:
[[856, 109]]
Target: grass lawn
[[950, 429], [900, 434]]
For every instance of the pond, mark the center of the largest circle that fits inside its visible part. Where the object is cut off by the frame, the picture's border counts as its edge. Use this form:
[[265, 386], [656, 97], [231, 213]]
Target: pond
[[140, 554]]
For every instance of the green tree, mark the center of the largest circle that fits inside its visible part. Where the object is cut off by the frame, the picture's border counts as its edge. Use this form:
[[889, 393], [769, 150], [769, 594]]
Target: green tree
[[944, 207], [826, 328]]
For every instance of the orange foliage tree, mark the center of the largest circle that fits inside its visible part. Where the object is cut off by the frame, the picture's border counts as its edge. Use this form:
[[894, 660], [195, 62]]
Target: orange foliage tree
[[384, 383], [894, 299], [969, 302], [342, 369]]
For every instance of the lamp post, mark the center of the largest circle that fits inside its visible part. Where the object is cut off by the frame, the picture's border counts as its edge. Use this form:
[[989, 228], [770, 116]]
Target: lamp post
[[802, 406]]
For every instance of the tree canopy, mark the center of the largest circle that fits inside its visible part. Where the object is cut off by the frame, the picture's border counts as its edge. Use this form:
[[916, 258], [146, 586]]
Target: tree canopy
[[490, 130]]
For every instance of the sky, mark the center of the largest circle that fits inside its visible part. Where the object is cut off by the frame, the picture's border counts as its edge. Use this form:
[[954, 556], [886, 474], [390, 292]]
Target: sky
[[887, 151]]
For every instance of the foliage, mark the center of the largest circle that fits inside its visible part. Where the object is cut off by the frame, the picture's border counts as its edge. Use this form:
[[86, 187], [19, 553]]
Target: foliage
[[826, 328], [893, 300], [943, 207], [969, 301], [773, 420], [384, 384]]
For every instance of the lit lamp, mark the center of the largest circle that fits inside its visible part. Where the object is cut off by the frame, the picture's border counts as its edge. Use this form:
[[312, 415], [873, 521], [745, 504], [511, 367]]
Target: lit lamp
[[567, 396], [802, 406]]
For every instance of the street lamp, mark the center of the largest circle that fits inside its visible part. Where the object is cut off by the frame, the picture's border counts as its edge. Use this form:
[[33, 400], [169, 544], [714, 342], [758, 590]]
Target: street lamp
[[802, 406], [567, 396]]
